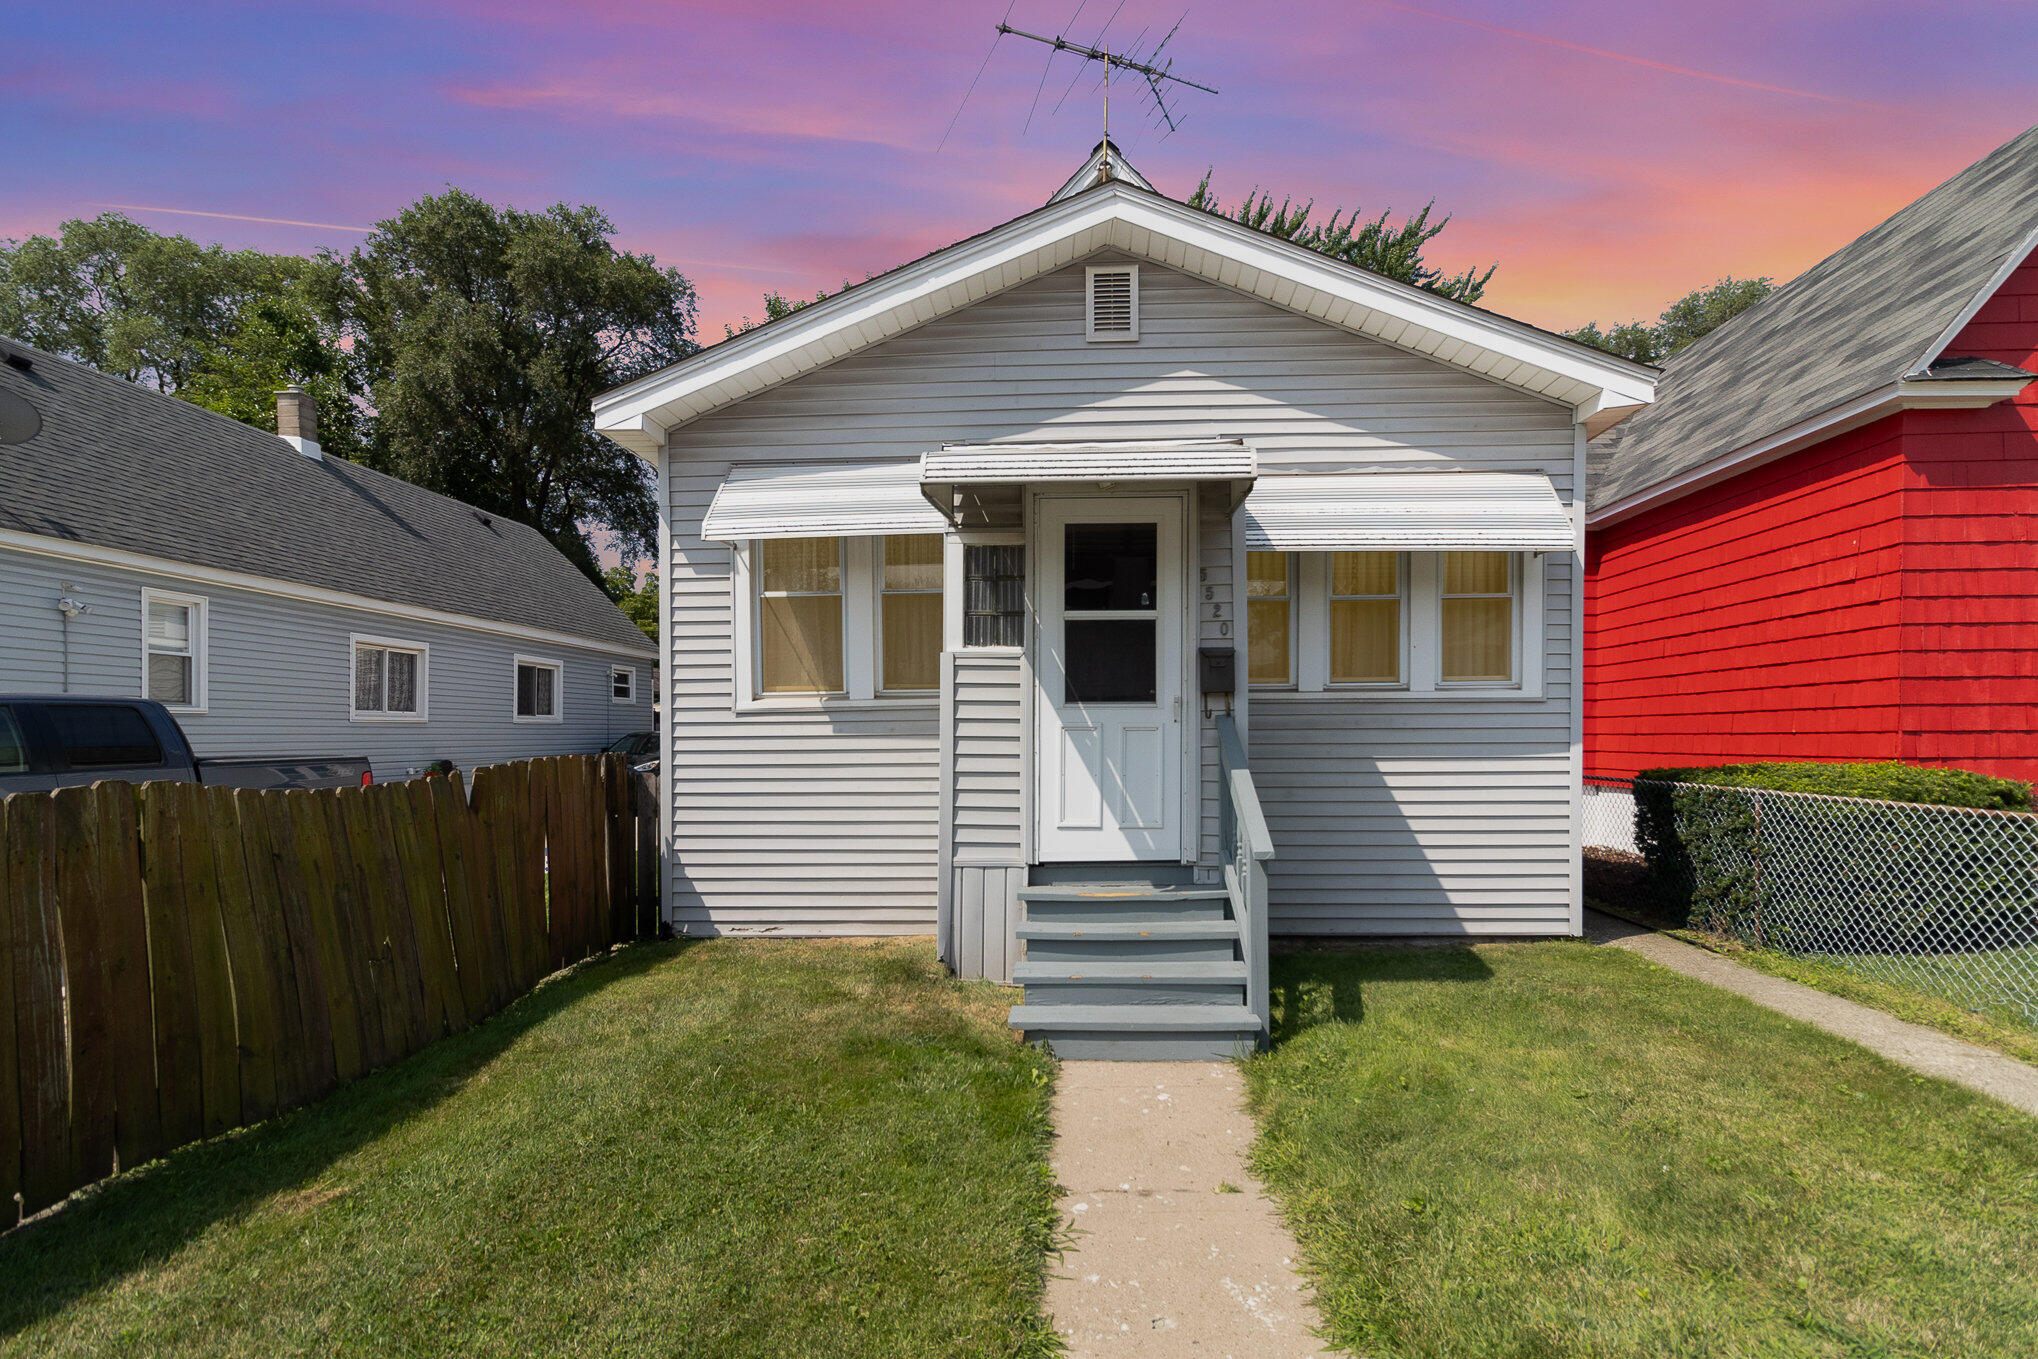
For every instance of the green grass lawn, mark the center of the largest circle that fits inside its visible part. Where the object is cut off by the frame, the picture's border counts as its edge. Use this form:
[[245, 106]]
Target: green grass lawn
[[1965, 995], [1543, 1149], [723, 1148]]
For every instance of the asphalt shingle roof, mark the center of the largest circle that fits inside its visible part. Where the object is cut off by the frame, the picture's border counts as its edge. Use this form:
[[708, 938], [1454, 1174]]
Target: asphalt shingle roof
[[1859, 320], [120, 466]]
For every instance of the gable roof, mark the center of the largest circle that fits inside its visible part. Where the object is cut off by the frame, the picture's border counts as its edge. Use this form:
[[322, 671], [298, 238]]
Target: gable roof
[[1875, 314], [1119, 214], [1105, 163], [120, 467]]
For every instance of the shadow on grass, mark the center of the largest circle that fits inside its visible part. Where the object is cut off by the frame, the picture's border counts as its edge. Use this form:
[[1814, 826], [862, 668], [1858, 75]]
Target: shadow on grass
[[1309, 987], [138, 1219]]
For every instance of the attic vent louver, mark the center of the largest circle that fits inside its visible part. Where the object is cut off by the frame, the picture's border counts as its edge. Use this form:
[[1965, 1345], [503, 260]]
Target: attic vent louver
[[1113, 302]]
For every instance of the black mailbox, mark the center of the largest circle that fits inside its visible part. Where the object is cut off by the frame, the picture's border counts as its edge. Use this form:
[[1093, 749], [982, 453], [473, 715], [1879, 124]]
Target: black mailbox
[[1217, 669]]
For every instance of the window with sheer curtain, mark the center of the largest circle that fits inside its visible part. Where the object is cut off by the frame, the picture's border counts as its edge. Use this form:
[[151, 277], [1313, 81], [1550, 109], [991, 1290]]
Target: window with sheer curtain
[[1476, 618], [389, 680], [1270, 618], [799, 615], [1391, 621], [909, 614], [1365, 618], [846, 618]]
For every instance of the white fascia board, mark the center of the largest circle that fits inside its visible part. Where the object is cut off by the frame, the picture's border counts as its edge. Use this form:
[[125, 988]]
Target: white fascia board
[[311, 594], [1212, 247], [1937, 351], [1911, 394]]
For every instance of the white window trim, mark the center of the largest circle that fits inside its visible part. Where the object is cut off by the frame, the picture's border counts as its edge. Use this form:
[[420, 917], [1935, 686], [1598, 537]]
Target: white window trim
[[861, 585], [357, 640], [1090, 332], [631, 672], [201, 623], [558, 669], [1421, 636]]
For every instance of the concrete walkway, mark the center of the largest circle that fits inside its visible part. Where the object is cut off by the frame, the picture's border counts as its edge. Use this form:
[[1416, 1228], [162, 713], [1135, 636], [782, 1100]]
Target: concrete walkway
[[1922, 1050], [1167, 1259]]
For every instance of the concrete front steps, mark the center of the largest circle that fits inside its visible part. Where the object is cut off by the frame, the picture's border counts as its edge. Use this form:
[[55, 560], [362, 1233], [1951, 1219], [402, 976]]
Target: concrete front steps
[[1131, 962]]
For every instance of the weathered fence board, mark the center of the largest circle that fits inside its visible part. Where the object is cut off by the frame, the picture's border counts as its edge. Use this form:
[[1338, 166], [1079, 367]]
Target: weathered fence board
[[176, 961], [179, 1066], [211, 976], [49, 1167], [10, 1081]]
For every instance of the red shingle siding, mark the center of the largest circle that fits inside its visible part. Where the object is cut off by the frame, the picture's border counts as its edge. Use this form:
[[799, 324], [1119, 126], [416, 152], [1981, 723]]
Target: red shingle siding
[[1873, 597], [1970, 616], [1755, 619]]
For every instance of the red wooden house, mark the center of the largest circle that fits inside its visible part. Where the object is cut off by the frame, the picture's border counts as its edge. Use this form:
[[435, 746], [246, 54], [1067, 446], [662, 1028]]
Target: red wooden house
[[1821, 541]]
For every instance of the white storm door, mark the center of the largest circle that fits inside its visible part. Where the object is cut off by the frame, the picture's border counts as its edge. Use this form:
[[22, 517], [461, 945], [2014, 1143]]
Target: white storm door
[[1108, 740]]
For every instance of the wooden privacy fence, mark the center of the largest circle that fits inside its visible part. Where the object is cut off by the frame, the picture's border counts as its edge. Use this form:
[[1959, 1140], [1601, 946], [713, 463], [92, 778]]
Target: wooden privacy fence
[[178, 960]]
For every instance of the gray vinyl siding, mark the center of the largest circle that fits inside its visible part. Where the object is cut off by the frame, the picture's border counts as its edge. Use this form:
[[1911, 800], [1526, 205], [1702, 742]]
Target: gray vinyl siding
[[813, 822], [279, 672], [985, 728]]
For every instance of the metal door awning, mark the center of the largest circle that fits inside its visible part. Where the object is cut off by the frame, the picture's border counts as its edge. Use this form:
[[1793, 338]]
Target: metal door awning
[[820, 500], [944, 470], [1407, 511]]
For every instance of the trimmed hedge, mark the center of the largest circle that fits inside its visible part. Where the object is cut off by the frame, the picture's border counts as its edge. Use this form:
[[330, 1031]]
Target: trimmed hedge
[[1811, 876], [1885, 781]]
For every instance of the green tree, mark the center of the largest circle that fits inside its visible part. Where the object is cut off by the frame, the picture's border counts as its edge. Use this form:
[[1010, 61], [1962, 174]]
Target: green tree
[[638, 600], [776, 306], [294, 336], [1691, 317], [1391, 249], [484, 334], [150, 308]]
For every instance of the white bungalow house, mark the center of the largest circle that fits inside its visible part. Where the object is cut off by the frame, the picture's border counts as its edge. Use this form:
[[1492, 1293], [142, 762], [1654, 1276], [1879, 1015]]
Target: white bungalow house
[[1112, 588]]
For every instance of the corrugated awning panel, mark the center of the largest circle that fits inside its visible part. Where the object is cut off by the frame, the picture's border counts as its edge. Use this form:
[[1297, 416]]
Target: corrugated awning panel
[[1118, 460], [1407, 511], [820, 500]]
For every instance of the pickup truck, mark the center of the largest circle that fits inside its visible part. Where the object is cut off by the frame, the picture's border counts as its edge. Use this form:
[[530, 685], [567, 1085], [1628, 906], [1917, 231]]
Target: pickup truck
[[57, 741]]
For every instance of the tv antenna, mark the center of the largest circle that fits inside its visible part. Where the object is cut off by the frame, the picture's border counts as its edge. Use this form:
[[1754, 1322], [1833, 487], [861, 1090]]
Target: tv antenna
[[1149, 68]]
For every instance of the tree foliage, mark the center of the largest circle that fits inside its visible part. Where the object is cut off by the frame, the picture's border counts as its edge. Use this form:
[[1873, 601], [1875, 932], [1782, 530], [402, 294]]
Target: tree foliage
[[1691, 317], [638, 600], [460, 347], [485, 333], [1370, 243], [221, 328]]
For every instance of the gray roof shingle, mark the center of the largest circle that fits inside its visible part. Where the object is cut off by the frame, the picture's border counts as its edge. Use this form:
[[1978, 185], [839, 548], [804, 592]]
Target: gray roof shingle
[[1859, 320], [119, 466]]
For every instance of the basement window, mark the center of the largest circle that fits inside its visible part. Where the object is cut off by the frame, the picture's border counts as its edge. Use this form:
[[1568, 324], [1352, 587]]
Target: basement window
[[1113, 303]]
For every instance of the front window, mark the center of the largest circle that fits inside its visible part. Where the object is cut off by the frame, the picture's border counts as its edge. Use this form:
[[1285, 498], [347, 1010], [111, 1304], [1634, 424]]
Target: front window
[[173, 641], [1365, 618], [1415, 623], [1477, 618], [538, 684], [389, 680], [799, 615], [909, 614]]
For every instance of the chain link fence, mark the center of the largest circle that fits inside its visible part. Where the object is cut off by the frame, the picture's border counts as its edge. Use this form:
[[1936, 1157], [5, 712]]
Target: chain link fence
[[1940, 899], [1610, 817]]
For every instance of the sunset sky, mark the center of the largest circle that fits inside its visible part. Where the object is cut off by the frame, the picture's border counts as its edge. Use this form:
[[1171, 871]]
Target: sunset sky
[[1608, 156]]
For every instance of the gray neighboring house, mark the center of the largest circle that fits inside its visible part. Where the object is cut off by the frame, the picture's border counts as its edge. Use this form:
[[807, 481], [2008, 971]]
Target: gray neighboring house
[[284, 603], [943, 555]]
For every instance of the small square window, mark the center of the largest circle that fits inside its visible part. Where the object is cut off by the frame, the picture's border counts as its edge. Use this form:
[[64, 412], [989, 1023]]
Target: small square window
[[622, 684], [538, 684], [389, 680]]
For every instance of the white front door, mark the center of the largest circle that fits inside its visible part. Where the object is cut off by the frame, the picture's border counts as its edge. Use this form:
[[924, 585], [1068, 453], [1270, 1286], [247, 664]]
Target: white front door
[[1109, 661]]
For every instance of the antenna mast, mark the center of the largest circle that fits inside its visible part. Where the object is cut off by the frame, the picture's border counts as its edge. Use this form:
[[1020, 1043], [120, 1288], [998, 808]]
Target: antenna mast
[[1150, 69]]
